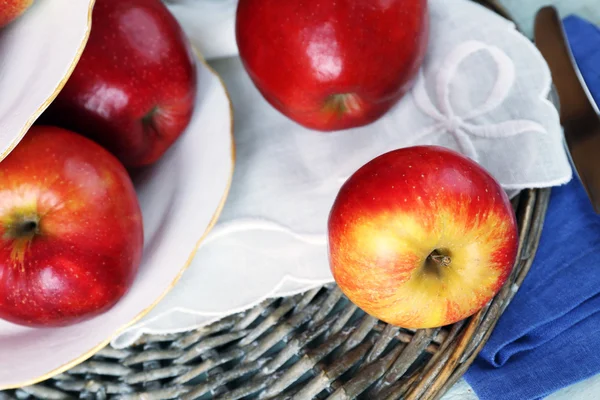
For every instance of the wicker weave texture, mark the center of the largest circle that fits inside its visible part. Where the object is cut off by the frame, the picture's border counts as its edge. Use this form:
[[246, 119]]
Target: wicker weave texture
[[316, 345], [313, 345]]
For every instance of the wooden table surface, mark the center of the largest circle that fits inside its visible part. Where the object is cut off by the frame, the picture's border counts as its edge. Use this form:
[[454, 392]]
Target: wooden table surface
[[523, 12]]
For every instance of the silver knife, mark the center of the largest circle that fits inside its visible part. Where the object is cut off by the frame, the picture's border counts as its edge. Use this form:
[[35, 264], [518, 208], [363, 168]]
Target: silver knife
[[579, 114]]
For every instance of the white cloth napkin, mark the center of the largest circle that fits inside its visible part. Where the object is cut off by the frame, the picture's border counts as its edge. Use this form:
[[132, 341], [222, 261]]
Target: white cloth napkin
[[482, 90], [210, 25]]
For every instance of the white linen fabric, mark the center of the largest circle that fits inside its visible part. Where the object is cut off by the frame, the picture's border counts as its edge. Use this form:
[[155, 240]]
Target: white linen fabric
[[482, 90]]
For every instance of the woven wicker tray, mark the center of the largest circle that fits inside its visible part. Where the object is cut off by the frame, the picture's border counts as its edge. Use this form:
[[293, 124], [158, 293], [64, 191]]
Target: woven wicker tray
[[313, 345]]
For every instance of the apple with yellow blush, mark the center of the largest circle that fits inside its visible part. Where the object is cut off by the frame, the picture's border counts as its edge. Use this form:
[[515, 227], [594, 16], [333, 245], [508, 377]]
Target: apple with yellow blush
[[421, 237], [10, 10]]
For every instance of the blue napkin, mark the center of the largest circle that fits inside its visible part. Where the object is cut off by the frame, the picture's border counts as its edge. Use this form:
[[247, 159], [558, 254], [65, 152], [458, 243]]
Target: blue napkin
[[584, 39], [549, 336]]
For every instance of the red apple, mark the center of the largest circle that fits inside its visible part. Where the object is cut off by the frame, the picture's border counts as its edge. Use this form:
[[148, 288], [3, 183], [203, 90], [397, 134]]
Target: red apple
[[331, 65], [134, 88], [421, 237], [10, 10], [70, 228]]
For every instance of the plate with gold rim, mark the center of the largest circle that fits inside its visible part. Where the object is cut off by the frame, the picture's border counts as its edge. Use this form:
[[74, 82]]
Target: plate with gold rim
[[181, 198], [38, 52]]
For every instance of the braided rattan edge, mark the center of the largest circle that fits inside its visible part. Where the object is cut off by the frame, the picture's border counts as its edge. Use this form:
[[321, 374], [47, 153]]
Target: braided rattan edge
[[314, 345]]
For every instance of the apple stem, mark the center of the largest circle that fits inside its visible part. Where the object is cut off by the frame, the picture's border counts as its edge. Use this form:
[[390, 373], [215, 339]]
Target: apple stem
[[27, 227], [440, 259], [343, 103], [148, 118]]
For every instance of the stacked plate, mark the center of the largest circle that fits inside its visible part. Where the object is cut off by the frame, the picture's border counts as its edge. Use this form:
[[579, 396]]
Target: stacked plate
[[181, 196]]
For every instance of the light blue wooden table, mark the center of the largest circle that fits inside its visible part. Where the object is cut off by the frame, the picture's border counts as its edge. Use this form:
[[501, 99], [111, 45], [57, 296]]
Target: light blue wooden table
[[523, 12]]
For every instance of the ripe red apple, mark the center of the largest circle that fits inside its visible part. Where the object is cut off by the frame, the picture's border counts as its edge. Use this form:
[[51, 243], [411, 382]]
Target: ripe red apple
[[70, 228], [331, 65], [10, 10], [134, 88], [421, 237]]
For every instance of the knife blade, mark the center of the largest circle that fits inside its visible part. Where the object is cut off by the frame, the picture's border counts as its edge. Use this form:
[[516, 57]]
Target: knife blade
[[579, 114]]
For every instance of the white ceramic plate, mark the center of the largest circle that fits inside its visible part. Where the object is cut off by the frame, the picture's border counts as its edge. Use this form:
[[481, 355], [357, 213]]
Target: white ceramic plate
[[181, 198], [38, 53]]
